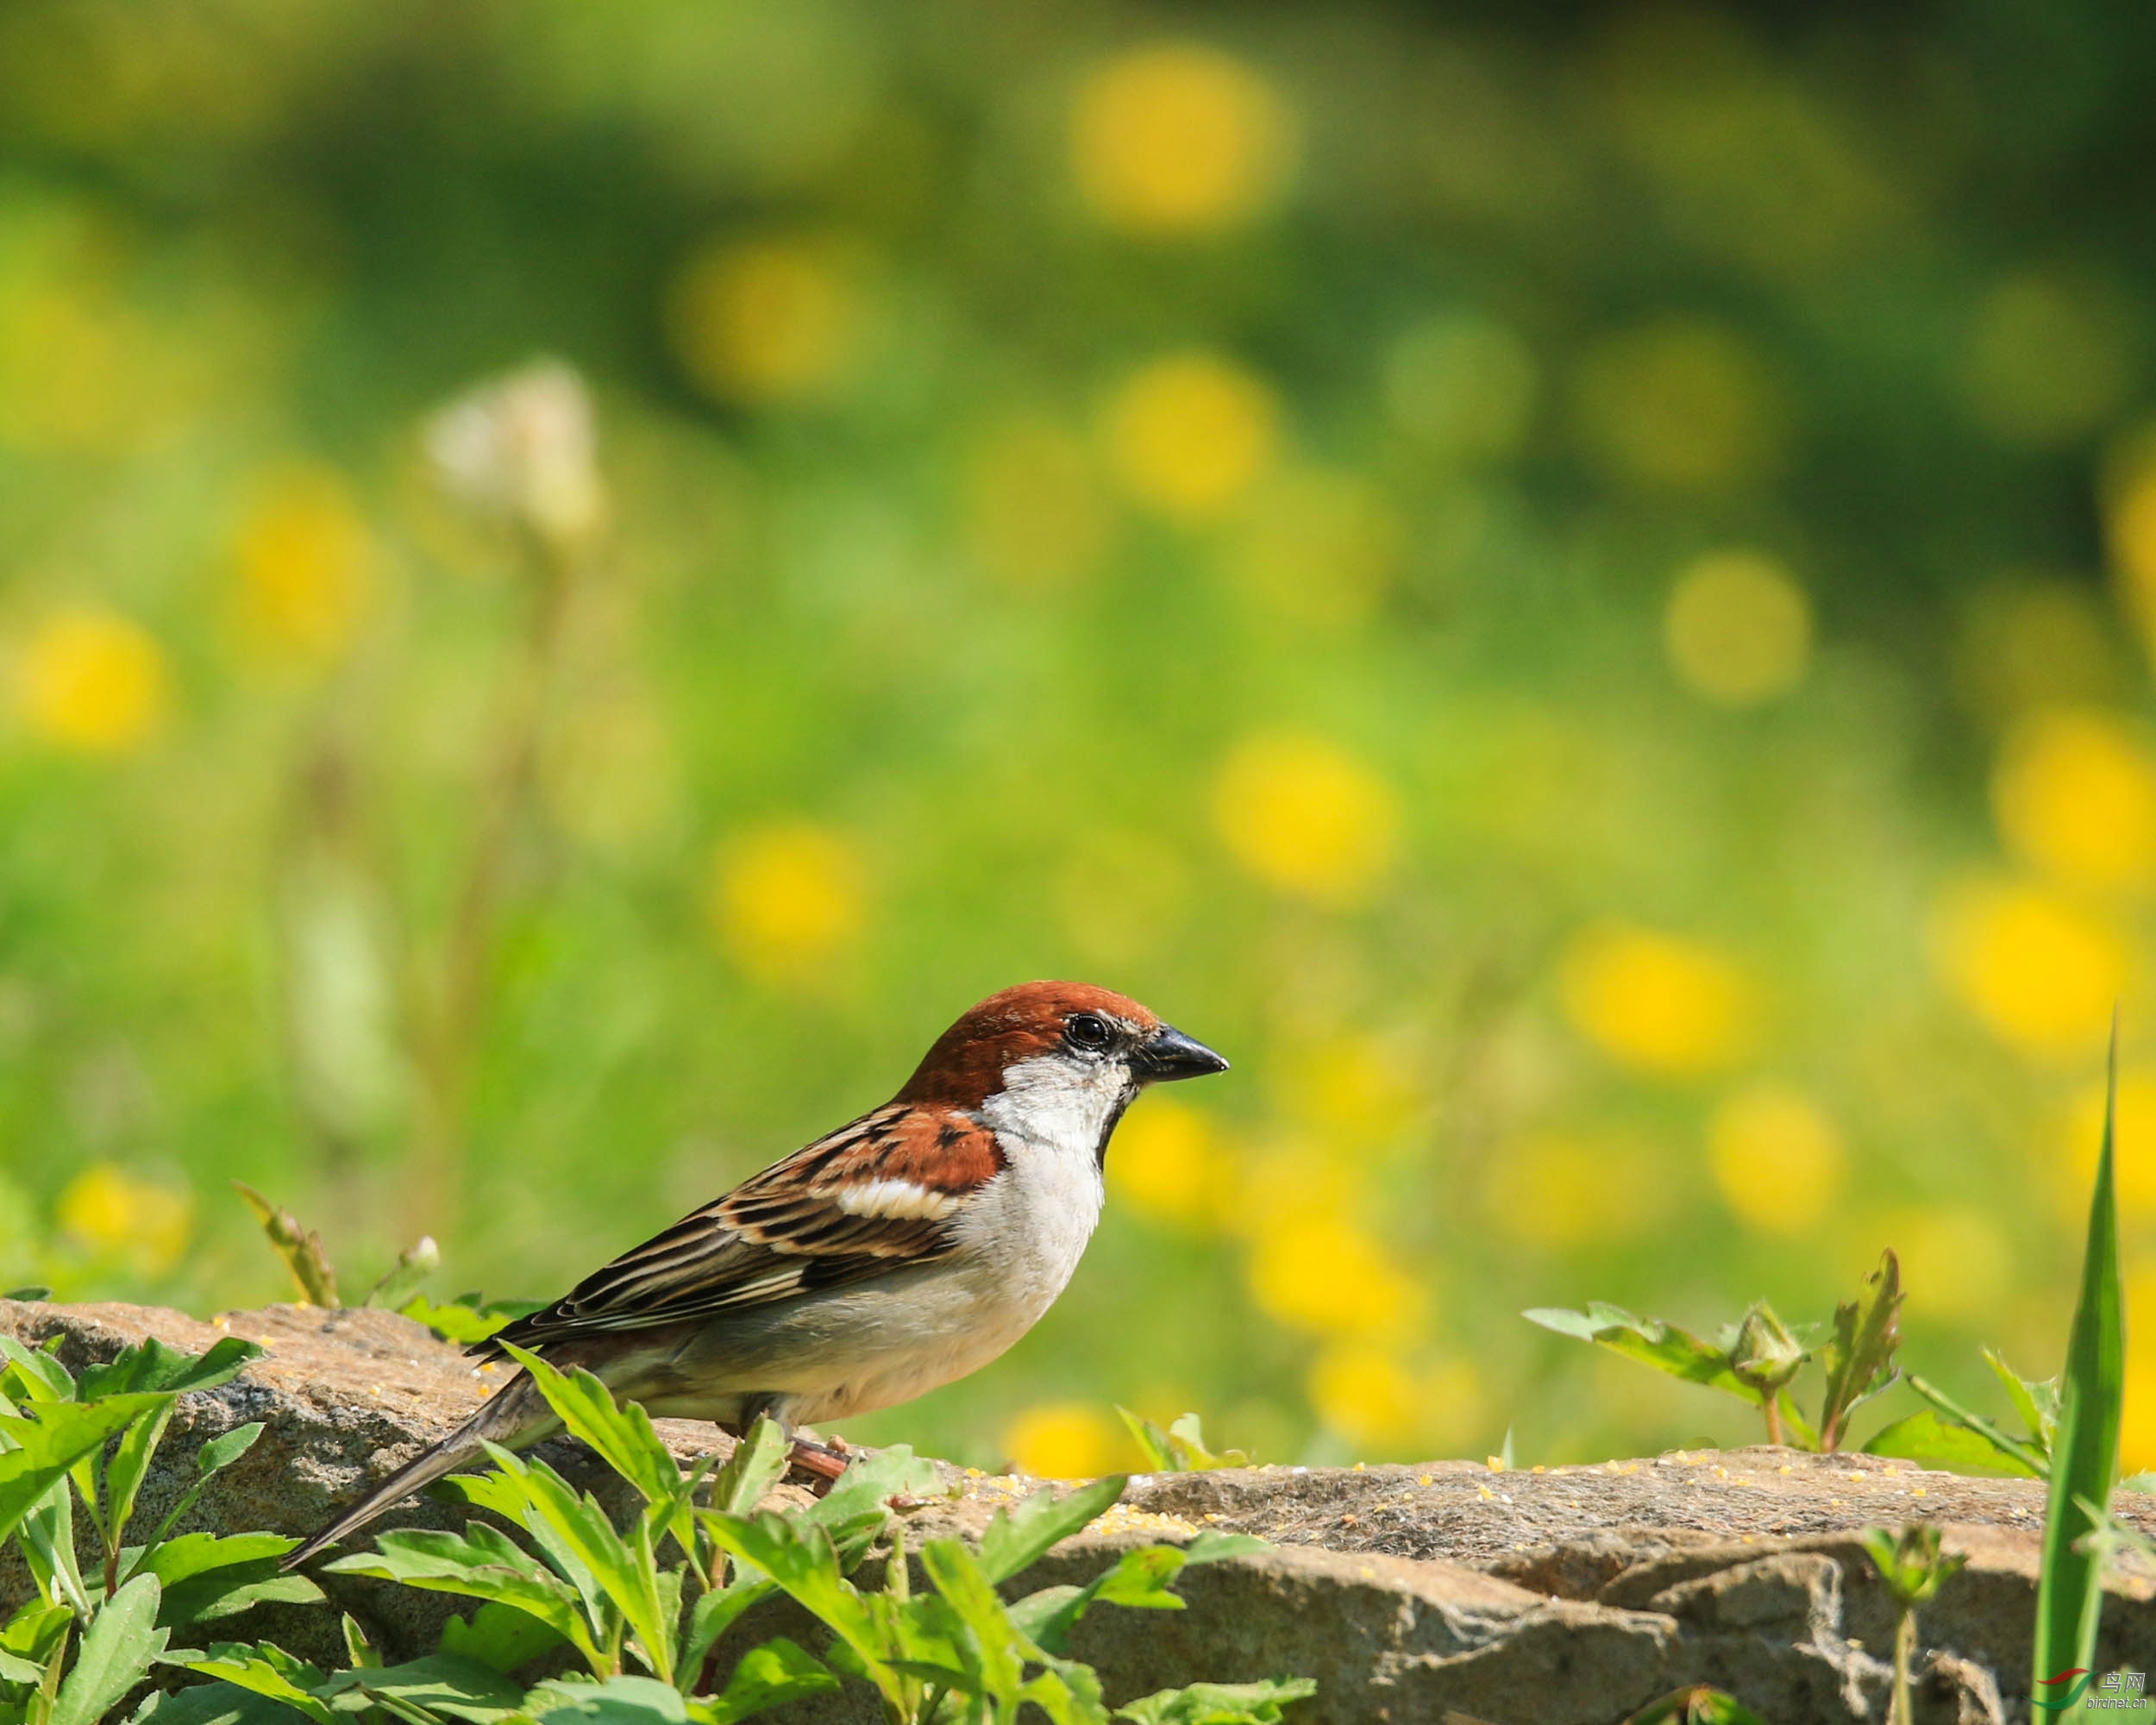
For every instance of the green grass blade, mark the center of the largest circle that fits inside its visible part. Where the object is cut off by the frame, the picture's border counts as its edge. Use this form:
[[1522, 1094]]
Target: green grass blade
[[2085, 1453]]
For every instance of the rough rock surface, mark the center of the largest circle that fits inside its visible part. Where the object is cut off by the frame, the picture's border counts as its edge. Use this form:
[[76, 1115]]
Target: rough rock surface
[[1570, 1597]]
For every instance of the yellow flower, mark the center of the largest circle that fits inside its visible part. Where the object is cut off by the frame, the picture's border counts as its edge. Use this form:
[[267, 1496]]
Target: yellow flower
[[1064, 1441], [1777, 1160], [766, 320], [1325, 1275], [1190, 433], [1366, 1394], [1739, 628], [1318, 549], [94, 681], [1682, 404], [1556, 1191], [2075, 795], [787, 899], [1167, 1163], [2081, 1140], [2041, 974], [305, 561], [1034, 514], [1176, 138], [1658, 1003], [107, 1211], [1957, 1263], [1307, 817]]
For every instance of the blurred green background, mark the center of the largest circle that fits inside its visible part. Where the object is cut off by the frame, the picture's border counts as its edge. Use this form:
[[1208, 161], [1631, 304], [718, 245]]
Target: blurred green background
[[1570, 587]]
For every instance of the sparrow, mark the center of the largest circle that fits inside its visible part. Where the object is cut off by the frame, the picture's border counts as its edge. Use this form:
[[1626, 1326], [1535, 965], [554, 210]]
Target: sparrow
[[902, 1251]]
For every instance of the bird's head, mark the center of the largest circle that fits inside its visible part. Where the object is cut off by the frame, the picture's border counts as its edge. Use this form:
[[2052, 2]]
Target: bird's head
[[1056, 1060]]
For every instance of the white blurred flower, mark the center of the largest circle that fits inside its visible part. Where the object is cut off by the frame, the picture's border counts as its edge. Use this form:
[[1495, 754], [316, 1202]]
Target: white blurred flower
[[524, 447]]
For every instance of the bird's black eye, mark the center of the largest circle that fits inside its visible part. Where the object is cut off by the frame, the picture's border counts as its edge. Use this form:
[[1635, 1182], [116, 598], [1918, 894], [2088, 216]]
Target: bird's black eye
[[1087, 1030]]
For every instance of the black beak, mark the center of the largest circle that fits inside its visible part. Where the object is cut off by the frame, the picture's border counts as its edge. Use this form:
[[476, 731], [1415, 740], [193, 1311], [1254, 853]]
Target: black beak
[[1169, 1055]]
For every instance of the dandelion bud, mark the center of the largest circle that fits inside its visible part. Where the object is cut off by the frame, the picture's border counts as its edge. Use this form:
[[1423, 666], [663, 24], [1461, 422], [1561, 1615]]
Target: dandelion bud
[[1765, 1356]]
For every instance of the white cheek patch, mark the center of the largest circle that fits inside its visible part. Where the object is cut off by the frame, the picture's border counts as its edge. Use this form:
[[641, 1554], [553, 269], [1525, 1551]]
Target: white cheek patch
[[896, 1199]]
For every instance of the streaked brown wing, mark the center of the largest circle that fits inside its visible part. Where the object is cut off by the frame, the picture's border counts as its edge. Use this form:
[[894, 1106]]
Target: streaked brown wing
[[875, 1196]]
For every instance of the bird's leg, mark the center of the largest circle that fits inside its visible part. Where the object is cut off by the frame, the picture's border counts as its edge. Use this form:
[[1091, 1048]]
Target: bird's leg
[[822, 1463]]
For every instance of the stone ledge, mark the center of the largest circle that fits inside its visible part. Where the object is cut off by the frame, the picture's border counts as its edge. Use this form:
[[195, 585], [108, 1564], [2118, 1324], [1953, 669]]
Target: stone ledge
[[1568, 1595]]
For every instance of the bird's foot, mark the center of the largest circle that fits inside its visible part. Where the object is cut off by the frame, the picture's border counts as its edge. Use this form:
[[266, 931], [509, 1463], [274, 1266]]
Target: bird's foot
[[822, 1463]]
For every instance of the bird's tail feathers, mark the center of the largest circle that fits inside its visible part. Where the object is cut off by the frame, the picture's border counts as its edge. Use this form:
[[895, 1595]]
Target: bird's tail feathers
[[505, 1419]]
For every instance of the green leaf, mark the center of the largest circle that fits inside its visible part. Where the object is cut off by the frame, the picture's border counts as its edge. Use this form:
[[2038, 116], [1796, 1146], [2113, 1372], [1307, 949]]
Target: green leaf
[[1210, 1547], [2023, 1457], [757, 1464], [234, 1587], [151, 1366], [129, 1464], [622, 1434], [617, 1701], [414, 1265], [441, 1682], [1937, 1442], [48, 1446], [300, 1249], [2035, 1401], [500, 1637], [457, 1321], [767, 1677], [1860, 1359], [1649, 1341], [14, 1668], [867, 1487], [2085, 1455], [1019, 1536], [41, 1377], [804, 1563], [1140, 1578], [480, 1563], [221, 1452], [212, 1703], [118, 1651], [270, 1673], [1220, 1703], [624, 1570], [712, 1616], [1069, 1694], [36, 1290], [1698, 1705], [1152, 1442], [957, 1576], [34, 1630]]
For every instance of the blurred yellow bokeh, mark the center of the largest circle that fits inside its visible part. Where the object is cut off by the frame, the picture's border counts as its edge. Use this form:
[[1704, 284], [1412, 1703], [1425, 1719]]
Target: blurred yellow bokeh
[[1682, 402], [1367, 1394], [1957, 1262], [2050, 354], [111, 1214], [1065, 1440], [2041, 973], [1034, 511], [766, 321], [1178, 138], [1317, 548], [1168, 1164], [1189, 434], [2137, 1427], [1321, 1273], [1778, 1160], [2130, 530], [2072, 1169], [1556, 1191], [305, 561], [1737, 628], [788, 898], [1662, 1004], [1353, 1087], [93, 680], [1306, 817], [2074, 793]]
